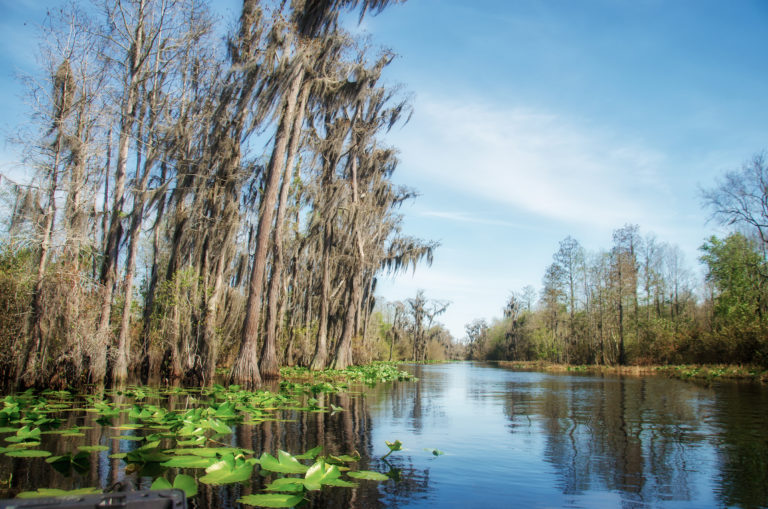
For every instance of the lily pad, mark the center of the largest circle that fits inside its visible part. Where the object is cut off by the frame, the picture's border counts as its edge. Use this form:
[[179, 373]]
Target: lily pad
[[367, 475], [271, 500], [132, 438], [322, 473], [189, 462], [310, 454], [228, 470], [92, 448], [182, 482], [51, 492], [283, 464], [79, 462], [28, 453]]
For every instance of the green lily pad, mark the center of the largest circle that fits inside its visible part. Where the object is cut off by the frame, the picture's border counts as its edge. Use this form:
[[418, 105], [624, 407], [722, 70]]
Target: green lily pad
[[182, 482], [228, 470], [209, 452], [92, 448], [271, 500], [367, 475], [79, 462], [310, 454], [320, 473], [25, 434], [189, 462], [195, 441], [344, 458], [51, 492], [283, 464], [28, 453], [286, 484], [132, 438]]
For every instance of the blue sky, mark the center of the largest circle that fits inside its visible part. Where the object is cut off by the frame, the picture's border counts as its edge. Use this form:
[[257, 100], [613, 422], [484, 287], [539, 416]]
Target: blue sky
[[538, 119]]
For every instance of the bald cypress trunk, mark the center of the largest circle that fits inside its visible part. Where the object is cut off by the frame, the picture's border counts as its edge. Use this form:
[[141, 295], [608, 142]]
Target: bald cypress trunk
[[269, 365], [342, 358], [320, 358], [114, 234], [246, 370]]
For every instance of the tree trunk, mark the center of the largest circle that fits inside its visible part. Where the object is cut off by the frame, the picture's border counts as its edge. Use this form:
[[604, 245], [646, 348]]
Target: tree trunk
[[114, 235], [343, 356], [320, 358], [268, 366], [246, 370], [34, 359]]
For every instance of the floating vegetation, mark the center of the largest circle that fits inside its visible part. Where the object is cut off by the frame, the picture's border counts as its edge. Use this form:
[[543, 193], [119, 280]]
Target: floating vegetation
[[182, 445], [51, 492], [397, 445], [369, 374]]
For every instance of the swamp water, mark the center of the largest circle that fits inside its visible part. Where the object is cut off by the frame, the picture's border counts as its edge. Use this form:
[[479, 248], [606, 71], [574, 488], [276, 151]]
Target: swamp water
[[473, 435]]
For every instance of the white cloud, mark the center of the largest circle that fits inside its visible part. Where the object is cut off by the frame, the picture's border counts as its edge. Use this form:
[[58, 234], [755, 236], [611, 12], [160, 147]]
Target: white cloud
[[536, 161], [466, 217]]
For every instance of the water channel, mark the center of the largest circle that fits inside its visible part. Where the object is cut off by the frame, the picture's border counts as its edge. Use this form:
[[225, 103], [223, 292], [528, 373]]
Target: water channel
[[478, 435]]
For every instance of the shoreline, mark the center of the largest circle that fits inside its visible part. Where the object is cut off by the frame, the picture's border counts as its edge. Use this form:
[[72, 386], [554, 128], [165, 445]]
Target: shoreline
[[699, 372]]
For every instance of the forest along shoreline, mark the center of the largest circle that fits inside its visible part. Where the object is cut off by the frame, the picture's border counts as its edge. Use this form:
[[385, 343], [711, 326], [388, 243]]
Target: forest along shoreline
[[697, 372]]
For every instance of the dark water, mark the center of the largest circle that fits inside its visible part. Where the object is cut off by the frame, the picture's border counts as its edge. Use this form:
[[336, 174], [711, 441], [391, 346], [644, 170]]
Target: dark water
[[510, 439]]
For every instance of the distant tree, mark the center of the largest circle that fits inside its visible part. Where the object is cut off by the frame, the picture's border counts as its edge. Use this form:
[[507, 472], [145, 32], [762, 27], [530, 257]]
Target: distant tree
[[626, 242], [552, 300], [516, 317], [741, 197], [477, 332], [423, 312], [570, 259], [527, 297], [735, 268]]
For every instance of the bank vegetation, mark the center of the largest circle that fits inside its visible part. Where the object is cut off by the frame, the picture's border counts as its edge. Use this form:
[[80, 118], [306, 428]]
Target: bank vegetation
[[638, 302]]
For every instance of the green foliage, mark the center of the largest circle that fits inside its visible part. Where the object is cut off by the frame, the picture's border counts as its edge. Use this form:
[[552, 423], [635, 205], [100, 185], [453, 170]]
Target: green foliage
[[739, 274], [271, 500], [367, 475], [182, 482], [397, 445], [16, 285], [229, 469], [51, 492], [65, 464], [197, 430]]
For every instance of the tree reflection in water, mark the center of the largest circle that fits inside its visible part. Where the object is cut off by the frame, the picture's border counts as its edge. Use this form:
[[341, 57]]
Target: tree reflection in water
[[652, 439], [510, 439]]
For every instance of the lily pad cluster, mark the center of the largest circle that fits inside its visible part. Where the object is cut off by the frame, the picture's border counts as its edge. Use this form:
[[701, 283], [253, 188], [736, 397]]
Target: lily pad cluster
[[369, 374], [190, 442]]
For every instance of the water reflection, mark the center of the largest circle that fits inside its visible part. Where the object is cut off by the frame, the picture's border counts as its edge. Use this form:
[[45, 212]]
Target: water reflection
[[584, 441], [510, 439]]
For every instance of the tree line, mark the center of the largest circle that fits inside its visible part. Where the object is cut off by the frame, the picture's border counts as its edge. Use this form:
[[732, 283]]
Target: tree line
[[157, 238], [637, 302]]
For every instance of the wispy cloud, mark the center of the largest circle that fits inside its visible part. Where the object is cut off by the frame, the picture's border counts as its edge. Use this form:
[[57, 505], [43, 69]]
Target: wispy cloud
[[536, 161], [466, 217]]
